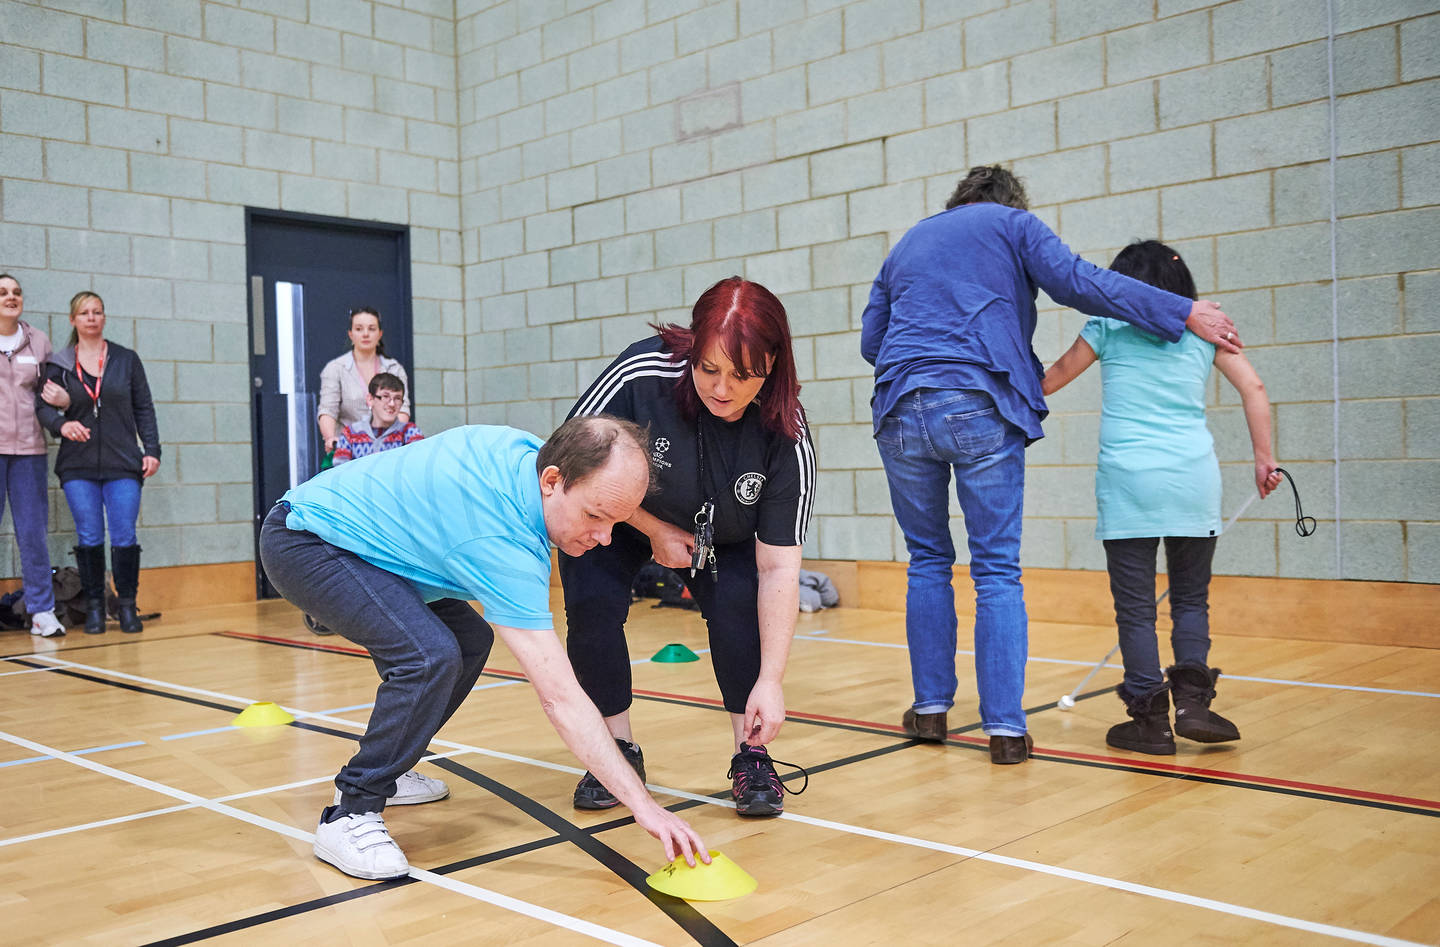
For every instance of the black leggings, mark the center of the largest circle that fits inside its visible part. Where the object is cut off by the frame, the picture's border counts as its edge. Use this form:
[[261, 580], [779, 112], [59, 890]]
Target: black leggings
[[597, 602]]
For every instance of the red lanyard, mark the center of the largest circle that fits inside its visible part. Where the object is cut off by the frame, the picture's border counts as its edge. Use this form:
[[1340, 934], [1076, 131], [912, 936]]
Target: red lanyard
[[94, 393]]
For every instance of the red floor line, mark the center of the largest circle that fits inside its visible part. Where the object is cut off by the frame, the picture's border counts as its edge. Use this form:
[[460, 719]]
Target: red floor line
[[1154, 766]]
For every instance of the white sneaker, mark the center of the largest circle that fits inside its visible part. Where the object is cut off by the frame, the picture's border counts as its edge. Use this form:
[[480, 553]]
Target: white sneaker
[[361, 846], [411, 789], [46, 625]]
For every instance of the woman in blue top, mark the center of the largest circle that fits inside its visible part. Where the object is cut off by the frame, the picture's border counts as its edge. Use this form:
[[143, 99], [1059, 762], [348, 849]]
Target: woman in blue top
[[1158, 476]]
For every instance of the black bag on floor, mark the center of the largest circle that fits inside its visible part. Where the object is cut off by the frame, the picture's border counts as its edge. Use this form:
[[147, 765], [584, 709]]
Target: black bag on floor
[[69, 596], [656, 581], [12, 610]]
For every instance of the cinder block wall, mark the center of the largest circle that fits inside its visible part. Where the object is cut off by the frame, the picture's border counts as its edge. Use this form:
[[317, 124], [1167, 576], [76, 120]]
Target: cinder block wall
[[618, 157], [132, 135], [573, 170]]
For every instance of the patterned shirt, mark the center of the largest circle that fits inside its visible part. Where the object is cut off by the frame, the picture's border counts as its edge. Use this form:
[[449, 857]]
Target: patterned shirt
[[358, 440]]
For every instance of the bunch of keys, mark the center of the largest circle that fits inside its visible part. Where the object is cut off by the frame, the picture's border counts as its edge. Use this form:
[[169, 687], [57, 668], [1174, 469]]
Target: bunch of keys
[[704, 553]]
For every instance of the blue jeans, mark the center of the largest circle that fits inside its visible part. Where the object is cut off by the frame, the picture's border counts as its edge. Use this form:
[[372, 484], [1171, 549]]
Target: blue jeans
[[428, 655], [928, 433], [1131, 563], [93, 503], [22, 478]]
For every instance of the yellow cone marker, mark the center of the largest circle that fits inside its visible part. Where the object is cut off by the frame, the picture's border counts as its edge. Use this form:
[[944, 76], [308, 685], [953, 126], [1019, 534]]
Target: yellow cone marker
[[265, 713], [720, 880]]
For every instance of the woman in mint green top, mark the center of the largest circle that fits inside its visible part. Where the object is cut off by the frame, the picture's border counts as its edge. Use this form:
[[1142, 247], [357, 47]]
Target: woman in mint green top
[[1158, 477]]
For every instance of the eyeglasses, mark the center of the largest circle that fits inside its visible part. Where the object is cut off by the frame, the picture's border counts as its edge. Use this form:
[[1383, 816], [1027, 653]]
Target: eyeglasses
[[390, 398]]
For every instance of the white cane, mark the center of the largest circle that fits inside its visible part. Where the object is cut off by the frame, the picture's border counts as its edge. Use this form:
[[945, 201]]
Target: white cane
[[1068, 701]]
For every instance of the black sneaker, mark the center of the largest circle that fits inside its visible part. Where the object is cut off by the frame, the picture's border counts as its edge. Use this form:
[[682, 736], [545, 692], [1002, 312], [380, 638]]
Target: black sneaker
[[756, 788], [590, 793]]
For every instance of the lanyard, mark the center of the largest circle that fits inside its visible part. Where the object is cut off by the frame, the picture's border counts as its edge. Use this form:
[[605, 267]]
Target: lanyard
[[99, 375], [704, 553]]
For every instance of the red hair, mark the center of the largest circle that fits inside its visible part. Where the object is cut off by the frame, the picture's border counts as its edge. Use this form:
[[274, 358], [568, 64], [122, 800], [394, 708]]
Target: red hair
[[750, 326]]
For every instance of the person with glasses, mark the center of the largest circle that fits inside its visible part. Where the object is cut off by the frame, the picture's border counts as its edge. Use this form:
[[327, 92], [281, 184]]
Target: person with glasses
[[384, 428], [345, 378]]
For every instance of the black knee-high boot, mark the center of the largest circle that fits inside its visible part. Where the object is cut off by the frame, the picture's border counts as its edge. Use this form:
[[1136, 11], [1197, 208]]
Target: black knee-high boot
[[125, 564], [90, 560]]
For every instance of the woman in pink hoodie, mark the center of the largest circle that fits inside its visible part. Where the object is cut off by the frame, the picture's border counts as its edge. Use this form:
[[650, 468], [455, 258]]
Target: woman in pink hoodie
[[22, 453]]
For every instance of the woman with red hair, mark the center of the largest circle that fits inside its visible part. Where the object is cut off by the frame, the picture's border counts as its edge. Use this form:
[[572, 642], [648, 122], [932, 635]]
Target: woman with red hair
[[734, 468]]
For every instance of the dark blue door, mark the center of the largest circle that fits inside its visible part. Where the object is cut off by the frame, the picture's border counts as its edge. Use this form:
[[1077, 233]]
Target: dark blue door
[[306, 274]]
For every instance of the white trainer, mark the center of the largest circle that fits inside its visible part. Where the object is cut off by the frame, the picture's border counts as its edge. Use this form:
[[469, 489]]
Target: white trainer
[[361, 846], [46, 625], [411, 789]]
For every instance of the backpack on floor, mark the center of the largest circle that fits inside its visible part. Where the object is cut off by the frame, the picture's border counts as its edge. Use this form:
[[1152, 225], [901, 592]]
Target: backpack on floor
[[12, 610], [655, 581], [69, 596]]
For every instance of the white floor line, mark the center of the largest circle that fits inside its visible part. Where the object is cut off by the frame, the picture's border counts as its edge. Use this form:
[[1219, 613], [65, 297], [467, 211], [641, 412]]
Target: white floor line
[[86, 826], [1040, 867], [149, 813], [121, 675], [1118, 667], [1209, 904], [342, 710], [197, 733], [84, 752], [476, 892]]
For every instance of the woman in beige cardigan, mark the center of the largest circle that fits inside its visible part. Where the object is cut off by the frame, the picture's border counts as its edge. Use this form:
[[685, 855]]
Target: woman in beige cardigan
[[345, 380]]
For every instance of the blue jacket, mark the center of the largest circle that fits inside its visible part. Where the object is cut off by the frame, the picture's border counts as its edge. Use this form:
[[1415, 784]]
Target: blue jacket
[[954, 307]]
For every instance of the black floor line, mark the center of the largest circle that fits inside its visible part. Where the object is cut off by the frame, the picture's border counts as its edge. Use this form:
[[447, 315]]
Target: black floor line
[[697, 925], [302, 907], [473, 861], [693, 922]]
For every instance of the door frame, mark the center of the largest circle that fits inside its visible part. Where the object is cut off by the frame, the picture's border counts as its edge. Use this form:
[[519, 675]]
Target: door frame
[[260, 331]]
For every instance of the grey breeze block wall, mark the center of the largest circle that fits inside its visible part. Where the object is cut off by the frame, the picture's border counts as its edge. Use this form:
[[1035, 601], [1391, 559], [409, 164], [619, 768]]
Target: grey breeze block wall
[[574, 170], [619, 157], [132, 135]]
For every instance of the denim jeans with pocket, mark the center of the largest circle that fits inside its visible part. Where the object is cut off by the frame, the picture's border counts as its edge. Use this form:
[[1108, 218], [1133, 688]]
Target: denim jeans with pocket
[[428, 655], [929, 434]]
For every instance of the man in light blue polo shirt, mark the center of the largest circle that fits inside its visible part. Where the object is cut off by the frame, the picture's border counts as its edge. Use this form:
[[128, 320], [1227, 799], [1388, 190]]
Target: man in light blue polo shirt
[[387, 550]]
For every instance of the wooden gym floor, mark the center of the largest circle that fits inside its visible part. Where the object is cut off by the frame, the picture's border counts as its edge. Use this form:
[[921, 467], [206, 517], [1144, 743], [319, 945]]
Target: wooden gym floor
[[135, 814]]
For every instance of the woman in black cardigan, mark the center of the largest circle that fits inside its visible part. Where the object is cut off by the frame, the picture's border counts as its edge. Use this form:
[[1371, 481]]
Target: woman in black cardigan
[[110, 444]]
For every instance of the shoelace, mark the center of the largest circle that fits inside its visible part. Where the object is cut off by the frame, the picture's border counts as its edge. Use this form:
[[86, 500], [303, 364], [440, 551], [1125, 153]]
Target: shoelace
[[367, 830], [760, 765]]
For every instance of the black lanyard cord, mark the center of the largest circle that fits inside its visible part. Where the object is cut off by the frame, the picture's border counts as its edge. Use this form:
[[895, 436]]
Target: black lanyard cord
[[1304, 525]]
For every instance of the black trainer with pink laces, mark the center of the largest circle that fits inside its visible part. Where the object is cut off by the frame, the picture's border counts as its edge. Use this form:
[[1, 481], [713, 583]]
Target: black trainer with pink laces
[[757, 789]]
